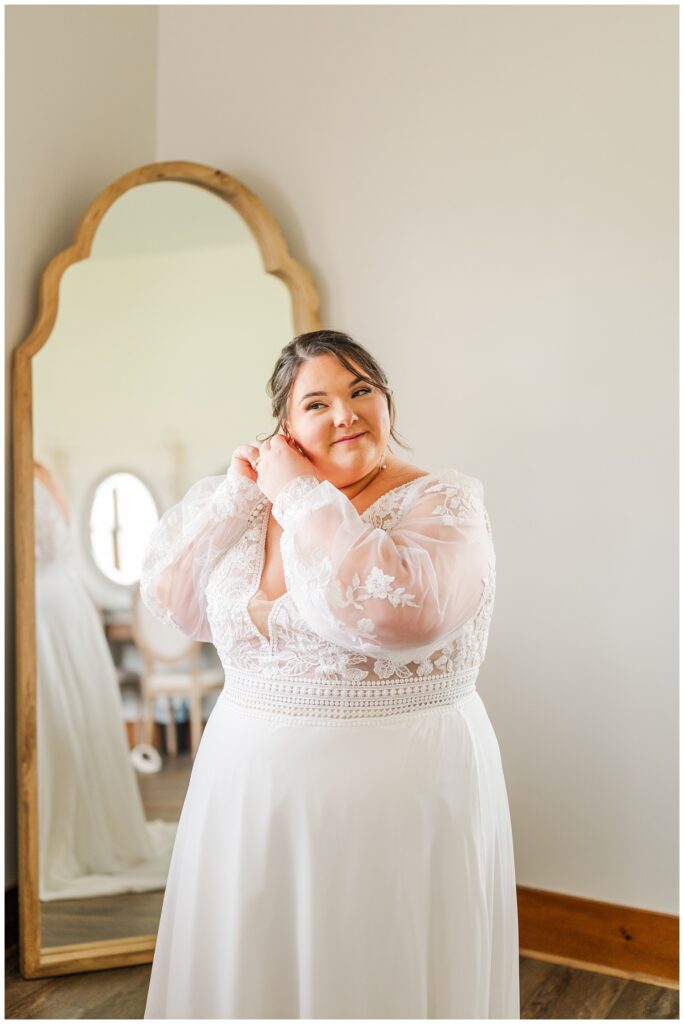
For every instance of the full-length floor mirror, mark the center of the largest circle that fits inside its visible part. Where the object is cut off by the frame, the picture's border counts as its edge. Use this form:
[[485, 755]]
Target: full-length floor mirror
[[155, 331]]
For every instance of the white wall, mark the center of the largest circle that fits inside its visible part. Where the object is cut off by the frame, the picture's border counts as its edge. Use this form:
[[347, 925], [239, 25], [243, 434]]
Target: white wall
[[487, 199], [80, 94]]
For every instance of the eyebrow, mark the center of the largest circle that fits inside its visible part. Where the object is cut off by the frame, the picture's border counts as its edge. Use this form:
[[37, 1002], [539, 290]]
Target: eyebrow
[[310, 393]]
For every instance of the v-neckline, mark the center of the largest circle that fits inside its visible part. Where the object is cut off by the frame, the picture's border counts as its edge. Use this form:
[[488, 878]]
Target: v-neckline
[[261, 549]]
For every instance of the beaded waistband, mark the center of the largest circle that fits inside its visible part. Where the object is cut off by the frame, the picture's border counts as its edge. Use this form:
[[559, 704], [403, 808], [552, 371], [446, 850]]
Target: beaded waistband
[[306, 699]]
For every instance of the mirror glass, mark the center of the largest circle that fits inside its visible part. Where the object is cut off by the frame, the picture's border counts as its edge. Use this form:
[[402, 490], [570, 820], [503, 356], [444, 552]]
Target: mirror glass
[[156, 369]]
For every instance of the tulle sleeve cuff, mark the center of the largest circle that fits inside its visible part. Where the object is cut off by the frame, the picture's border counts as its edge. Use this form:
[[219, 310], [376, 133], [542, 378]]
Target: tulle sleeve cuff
[[298, 497], [236, 495]]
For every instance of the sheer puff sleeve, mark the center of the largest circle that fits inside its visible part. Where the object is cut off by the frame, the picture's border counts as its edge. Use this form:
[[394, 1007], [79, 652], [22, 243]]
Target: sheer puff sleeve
[[400, 592], [186, 544]]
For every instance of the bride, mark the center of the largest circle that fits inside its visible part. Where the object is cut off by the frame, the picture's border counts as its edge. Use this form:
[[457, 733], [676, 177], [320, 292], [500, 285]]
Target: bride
[[94, 838], [345, 846]]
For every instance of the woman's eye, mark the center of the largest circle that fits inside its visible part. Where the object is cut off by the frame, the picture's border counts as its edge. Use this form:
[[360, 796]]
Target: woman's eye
[[358, 391]]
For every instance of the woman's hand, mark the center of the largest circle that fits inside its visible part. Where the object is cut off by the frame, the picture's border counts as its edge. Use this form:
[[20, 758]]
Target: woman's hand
[[243, 459], [280, 461]]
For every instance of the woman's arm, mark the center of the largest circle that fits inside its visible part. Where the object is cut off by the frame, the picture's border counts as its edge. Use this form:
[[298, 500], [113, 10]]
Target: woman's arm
[[398, 593], [186, 544]]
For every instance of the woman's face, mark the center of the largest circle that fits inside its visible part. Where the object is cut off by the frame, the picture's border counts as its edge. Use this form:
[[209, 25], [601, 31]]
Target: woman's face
[[345, 406]]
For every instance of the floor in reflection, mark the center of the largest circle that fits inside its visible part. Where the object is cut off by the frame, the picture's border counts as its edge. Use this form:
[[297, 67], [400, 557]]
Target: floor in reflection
[[125, 914]]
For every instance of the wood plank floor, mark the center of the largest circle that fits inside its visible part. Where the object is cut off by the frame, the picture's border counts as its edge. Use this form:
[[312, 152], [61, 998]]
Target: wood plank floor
[[547, 992]]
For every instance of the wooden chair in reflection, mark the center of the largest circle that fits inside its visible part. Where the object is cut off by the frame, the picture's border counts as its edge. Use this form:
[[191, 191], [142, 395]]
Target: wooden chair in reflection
[[171, 669]]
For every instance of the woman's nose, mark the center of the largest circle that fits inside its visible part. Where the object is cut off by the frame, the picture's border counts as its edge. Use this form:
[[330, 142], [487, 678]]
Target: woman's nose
[[344, 415]]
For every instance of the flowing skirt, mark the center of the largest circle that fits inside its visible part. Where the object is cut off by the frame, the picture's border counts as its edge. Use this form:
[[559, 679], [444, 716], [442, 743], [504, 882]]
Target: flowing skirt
[[94, 839], [341, 869]]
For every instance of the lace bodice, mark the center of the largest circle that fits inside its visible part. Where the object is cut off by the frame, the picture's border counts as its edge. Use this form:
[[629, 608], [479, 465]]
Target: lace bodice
[[385, 611], [52, 537]]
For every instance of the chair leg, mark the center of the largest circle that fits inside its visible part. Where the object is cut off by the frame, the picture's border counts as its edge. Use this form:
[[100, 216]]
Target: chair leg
[[171, 734], [146, 725], [140, 721]]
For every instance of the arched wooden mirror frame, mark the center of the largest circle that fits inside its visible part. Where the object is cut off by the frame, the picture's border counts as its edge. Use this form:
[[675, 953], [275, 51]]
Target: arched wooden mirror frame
[[35, 961]]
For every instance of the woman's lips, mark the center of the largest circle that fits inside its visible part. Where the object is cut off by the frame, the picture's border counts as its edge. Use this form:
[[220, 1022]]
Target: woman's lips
[[348, 440]]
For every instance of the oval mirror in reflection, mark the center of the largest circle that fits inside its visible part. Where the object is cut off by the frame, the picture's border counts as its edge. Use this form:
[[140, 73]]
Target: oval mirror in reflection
[[122, 517]]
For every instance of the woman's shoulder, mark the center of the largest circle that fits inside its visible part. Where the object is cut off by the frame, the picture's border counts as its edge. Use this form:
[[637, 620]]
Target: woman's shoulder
[[445, 478], [443, 489], [449, 476]]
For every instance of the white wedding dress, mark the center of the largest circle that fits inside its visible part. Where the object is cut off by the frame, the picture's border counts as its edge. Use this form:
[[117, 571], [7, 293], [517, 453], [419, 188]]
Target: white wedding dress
[[345, 848], [93, 837]]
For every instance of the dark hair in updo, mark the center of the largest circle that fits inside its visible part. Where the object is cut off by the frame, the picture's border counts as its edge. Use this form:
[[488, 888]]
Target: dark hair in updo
[[315, 343]]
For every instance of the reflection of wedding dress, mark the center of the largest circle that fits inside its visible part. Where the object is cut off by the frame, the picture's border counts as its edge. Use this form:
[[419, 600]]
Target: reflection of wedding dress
[[345, 846], [94, 839]]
